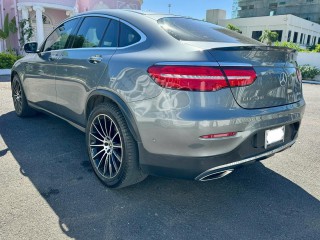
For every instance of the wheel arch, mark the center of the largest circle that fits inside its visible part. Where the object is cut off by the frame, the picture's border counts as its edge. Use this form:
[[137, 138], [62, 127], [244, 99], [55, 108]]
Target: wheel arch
[[13, 73], [99, 96], [16, 72]]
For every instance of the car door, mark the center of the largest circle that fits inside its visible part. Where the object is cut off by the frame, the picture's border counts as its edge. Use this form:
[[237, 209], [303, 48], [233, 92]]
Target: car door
[[40, 70], [80, 68]]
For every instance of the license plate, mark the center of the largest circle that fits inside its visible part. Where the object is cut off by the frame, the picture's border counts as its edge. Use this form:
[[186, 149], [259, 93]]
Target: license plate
[[274, 136]]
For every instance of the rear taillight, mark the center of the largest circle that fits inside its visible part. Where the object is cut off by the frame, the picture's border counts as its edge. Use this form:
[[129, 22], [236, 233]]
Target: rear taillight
[[201, 78], [191, 78], [240, 76]]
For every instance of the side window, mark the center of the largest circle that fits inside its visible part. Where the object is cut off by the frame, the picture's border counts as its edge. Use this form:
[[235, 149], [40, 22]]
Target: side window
[[110, 38], [91, 32], [59, 38], [128, 36]]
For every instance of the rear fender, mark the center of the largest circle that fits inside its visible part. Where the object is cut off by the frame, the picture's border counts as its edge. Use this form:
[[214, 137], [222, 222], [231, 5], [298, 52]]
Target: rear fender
[[131, 122]]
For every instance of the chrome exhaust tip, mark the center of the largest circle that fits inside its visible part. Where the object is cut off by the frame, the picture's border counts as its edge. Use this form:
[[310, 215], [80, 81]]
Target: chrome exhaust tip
[[213, 175]]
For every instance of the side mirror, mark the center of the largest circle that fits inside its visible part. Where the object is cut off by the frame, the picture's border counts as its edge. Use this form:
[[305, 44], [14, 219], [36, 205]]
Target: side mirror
[[31, 47]]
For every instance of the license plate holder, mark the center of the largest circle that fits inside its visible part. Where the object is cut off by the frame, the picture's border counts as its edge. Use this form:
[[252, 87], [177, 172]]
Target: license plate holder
[[273, 136]]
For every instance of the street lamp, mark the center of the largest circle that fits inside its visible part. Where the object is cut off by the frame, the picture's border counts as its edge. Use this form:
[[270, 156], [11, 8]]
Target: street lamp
[[169, 6]]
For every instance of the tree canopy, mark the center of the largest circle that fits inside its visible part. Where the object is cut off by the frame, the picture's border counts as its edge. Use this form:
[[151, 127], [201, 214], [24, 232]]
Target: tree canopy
[[269, 37]]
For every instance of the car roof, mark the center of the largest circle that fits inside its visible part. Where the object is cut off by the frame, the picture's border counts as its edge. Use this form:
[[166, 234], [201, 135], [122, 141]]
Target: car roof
[[146, 22], [123, 13]]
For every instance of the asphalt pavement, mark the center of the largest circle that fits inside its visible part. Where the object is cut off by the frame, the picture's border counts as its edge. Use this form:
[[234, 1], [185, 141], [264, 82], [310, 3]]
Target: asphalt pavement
[[48, 189]]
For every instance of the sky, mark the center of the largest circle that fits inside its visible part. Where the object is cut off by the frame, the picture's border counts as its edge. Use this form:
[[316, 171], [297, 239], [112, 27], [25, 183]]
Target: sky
[[191, 8]]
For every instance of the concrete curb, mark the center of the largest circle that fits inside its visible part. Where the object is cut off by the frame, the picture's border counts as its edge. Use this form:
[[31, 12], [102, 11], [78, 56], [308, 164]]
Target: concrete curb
[[5, 72], [311, 82]]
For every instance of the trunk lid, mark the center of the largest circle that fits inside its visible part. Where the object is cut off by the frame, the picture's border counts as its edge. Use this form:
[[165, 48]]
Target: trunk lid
[[277, 82], [276, 68]]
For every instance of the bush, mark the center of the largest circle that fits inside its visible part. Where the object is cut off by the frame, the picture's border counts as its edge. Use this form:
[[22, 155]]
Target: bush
[[317, 48], [7, 60], [234, 28], [290, 45], [309, 72], [313, 48]]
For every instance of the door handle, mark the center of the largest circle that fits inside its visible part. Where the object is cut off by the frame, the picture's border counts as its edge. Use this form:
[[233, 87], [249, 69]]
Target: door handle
[[95, 59]]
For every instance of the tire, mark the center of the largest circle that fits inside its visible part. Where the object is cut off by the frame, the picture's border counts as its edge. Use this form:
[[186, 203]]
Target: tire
[[112, 150], [20, 102]]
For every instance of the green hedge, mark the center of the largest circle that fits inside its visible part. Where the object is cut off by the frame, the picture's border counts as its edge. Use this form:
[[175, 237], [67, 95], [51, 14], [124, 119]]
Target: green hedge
[[309, 72], [317, 48], [314, 48], [7, 60]]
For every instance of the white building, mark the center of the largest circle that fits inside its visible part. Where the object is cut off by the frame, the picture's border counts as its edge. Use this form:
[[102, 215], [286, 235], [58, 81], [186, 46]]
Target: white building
[[289, 28], [214, 15]]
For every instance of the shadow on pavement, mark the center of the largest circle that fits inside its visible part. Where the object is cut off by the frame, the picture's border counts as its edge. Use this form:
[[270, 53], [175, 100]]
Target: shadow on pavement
[[252, 203]]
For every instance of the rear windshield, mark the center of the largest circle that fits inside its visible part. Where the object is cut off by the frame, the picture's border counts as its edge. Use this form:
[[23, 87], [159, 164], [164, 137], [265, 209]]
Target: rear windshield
[[187, 29]]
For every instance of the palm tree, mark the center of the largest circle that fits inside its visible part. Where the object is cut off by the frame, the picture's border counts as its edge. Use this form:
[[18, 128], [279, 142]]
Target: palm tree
[[269, 37], [8, 28], [234, 28]]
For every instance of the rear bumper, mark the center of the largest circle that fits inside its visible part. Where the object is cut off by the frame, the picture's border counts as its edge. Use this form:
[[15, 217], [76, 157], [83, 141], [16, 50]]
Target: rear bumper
[[251, 150], [236, 164], [170, 127], [176, 130]]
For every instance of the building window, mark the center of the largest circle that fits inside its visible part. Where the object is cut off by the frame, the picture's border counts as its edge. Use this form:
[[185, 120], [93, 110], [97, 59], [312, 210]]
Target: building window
[[256, 35], [289, 36], [295, 37], [301, 38], [314, 41], [309, 1], [251, 7], [307, 18], [308, 39], [282, 3], [244, 7], [319, 40], [273, 6]]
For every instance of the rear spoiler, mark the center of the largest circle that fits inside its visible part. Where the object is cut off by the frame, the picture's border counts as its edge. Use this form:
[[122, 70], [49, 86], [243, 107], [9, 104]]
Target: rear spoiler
[[256, 55], [256, 48]]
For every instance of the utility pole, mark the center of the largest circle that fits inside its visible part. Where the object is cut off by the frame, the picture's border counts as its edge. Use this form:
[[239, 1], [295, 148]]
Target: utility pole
[[169, 6]]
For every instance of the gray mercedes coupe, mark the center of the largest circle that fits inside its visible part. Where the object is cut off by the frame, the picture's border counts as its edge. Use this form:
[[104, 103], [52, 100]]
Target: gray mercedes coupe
[[162, 95]]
